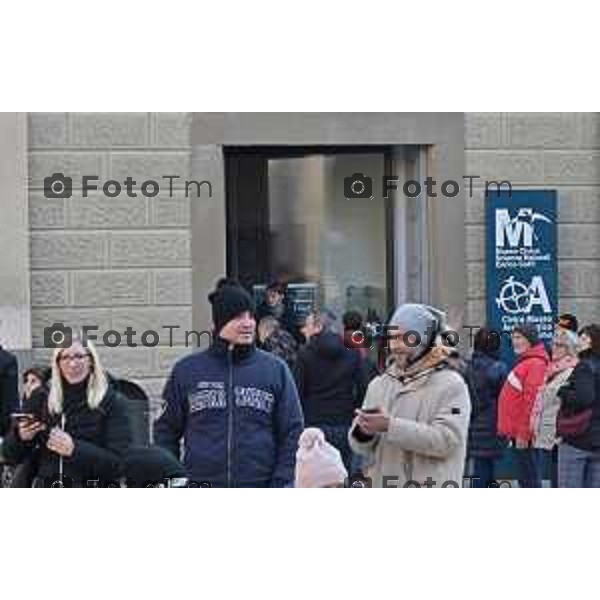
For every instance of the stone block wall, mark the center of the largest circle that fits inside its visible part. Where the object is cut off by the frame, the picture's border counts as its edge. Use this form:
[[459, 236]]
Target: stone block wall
[[540, 150], [115, 262], [112, 262]]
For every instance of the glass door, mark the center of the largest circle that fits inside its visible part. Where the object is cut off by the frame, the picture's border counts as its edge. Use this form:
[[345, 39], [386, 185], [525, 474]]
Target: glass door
[[292, 217]]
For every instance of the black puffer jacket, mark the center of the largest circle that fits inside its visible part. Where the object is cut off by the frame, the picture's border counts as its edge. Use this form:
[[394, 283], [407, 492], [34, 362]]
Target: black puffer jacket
[[9, 384], [485, 377], [583, 392], [332, 380], [101, 437]]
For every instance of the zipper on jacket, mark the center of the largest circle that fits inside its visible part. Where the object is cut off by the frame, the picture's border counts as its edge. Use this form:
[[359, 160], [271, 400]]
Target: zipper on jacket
[[230, 401], [61, 460]]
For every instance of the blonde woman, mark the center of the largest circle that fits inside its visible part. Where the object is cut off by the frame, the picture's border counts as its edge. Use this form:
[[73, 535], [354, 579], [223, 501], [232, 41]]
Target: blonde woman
[[79, 430]]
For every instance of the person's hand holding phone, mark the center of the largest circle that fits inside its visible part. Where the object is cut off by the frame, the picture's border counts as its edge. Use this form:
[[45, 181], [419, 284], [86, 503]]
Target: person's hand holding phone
[[28, 427], [372, 420], [60, 442]]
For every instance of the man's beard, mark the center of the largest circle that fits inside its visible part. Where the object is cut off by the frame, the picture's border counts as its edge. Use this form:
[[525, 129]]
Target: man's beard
[[401, 358]]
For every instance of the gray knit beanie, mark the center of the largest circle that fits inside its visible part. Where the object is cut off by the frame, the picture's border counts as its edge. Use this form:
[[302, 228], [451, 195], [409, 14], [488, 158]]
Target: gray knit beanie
[[428, 322]]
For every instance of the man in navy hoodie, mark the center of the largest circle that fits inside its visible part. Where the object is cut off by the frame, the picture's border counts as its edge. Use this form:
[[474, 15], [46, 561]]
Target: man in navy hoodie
[[235, 407]]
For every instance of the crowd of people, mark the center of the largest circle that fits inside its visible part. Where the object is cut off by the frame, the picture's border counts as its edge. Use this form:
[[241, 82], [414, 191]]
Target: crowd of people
[[279, 403], [544, 411]]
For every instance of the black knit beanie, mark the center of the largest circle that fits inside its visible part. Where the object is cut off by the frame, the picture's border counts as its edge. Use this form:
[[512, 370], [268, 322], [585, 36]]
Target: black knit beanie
[[228, 301], [529, 332]]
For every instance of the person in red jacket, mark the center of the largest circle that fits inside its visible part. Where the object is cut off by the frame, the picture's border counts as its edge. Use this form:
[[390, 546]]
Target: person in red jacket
[[517, 399]]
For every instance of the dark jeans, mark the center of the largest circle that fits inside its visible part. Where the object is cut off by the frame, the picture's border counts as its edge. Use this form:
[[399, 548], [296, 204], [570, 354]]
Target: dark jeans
[[484, 471], [578, 468], [553, 461], [529, 464], [337, 436]]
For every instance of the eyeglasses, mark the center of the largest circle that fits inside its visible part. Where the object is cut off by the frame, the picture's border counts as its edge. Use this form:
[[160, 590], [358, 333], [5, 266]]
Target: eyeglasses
[[73, 358]]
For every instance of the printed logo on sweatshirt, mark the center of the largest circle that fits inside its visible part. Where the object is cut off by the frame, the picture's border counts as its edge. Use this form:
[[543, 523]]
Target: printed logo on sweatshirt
[[254, 398], [212, 395], [208, 394]]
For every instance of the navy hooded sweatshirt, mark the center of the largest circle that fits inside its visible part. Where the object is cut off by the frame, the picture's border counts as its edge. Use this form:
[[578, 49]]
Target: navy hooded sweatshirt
[[239, 415]]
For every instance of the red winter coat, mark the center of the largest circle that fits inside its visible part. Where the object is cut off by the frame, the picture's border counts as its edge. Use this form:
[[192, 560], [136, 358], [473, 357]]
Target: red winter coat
[[519, 392]]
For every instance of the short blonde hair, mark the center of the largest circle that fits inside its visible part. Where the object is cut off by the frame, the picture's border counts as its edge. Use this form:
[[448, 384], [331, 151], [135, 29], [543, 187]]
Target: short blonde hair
[[97, 383]]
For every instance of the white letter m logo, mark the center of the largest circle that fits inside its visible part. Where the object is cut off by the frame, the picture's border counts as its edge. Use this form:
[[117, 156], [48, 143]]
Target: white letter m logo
[[512, 230]]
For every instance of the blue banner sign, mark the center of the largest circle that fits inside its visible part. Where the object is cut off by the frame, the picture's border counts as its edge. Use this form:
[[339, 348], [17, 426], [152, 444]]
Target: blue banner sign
[[521, 262]]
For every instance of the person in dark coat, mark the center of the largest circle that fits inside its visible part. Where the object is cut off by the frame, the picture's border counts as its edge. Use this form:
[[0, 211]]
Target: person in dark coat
[[579, 454], [235, 407], [35, 381], [273, 338], [356, 339], [35, 378], [9, 388], [332, 381], [276, 305], [485, 376], [78, 431]]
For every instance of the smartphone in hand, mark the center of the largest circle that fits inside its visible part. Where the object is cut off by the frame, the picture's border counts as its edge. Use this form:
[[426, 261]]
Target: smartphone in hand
[[357, 432], [22, 416]]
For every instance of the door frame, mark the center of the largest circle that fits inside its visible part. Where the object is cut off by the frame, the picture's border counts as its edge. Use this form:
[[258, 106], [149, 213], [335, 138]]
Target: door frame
[[442, 134]]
